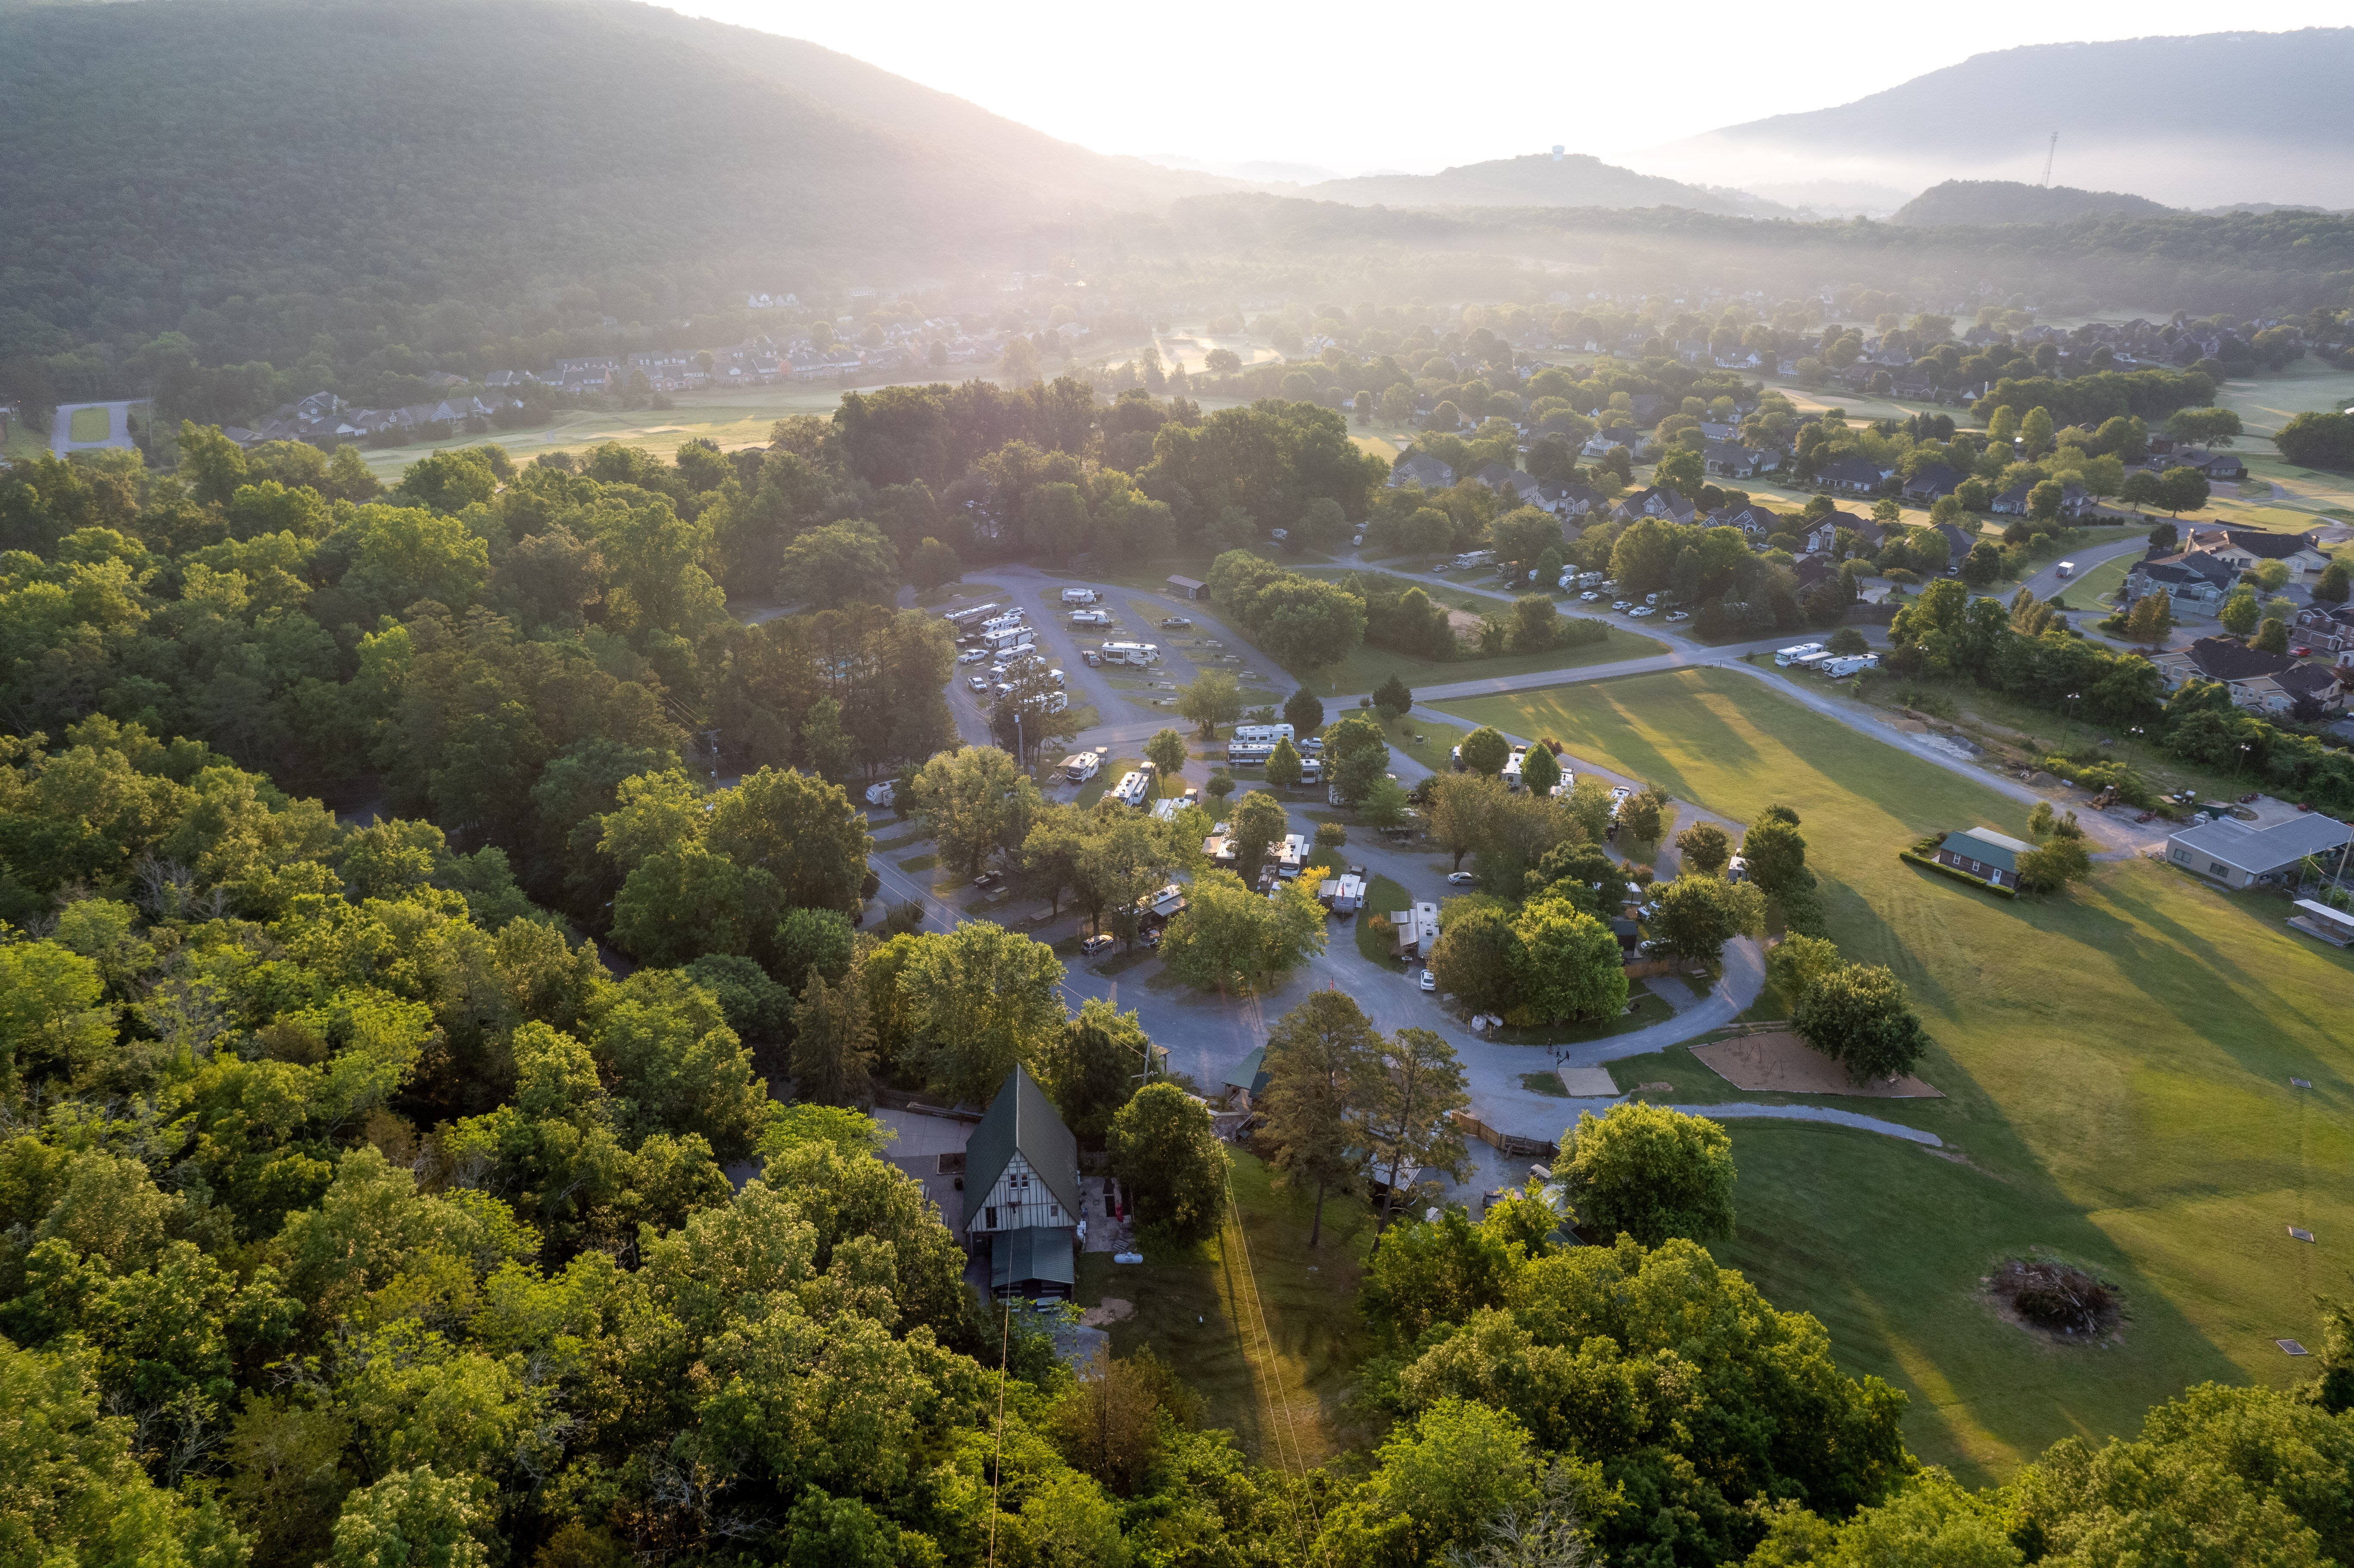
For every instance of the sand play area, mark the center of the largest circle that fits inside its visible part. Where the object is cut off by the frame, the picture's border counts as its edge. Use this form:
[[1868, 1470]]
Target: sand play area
[[1783, 1064]]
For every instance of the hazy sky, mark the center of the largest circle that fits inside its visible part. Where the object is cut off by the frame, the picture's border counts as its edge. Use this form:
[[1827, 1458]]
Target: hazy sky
[[1355, 87]]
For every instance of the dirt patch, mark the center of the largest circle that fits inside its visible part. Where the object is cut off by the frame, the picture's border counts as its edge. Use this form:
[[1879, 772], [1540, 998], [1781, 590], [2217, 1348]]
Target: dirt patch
[[1909, 726], [2056, 1301], [1782, 1062], [1112, 1311], [1589, 1083], [1466, 626]]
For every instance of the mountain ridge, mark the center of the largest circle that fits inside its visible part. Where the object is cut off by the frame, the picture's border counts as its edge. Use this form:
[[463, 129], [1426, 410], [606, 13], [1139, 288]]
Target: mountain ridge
[[2188, 121], [1538, 179]]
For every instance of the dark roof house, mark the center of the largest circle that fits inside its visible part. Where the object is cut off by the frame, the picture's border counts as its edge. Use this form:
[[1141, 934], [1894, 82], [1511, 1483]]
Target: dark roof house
[[1934, 480], [1856, 476]]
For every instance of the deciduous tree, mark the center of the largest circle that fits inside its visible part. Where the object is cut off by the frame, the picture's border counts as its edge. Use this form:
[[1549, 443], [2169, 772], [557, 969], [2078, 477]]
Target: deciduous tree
[[1651, 1173]]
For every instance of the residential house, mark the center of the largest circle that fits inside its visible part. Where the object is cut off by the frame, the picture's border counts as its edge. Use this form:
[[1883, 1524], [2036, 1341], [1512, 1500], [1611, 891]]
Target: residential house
[[2249, 854], [1647, 408], [1518, 488], [2265, 683], [1934, 481], [2325, 628], [1574, 500], [1853, 475], [1022, 1191], [1423, 470], [1824, 534], [1729, 460], [1191, 588], [2243, 547], [1602, 441], [1758, 522], [1719, 431], [1960, 542], [1984, 853], [2217, 466], [1662, 502], [2073, 499], [2200, 579]]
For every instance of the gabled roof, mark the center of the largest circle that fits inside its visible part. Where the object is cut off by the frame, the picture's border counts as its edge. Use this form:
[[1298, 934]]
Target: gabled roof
[[1854, 471], [2254, 540], [2228, 659], [1021, 1121], [1984, 845], [1250, 1073], [1934, 476]]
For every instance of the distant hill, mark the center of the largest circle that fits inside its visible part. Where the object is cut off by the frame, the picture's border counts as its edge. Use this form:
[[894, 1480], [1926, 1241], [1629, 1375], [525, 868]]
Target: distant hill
[[277, 178], [2190, 121], [1959, 202], [1537, 179], [930, 118]]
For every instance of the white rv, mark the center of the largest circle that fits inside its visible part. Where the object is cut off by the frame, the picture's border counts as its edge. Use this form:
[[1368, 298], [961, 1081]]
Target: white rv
[[1080, 767], [1795, 652], [1840, 669], [1261, 734], [1080, 595], [1137, 653], [1131, 789]]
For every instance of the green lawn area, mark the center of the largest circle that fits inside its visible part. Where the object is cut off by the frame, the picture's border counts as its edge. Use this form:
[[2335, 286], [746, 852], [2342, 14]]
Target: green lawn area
[[1648, 1010], [1381, 896], [733, 416], [1200, 1310], [1436, 747], [1364, 670], [90, 425], [2093, 586], [2117, 1068], [23, 441]]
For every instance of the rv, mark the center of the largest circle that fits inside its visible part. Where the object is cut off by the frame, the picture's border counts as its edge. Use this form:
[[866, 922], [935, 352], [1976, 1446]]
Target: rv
[[1475, 558], [965, 619], [1248, 756], [1840, 669], [1291, 855], [1090, 617], [1080, 767], [1131, 790], [1795, 652], [1312, 770], [1137, 653], [1513, 768], [1343, 893], [1262, 733], [1809, 661], [1080, 595], [1011, 637]]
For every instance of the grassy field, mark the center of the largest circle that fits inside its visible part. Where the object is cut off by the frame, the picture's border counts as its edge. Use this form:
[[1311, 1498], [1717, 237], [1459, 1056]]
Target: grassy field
[[2116, 1066], [1368, 667], [2095, 586], [737, 417], [91, 425], [1292, 1372]]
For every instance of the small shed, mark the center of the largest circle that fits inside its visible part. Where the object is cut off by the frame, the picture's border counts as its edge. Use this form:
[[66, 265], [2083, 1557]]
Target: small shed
[[1246, 1081], [1984, 853], [1188, 587], [2313, 917]]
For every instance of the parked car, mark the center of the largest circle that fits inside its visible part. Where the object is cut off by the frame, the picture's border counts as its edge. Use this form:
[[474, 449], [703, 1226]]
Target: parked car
[[978, 683], [987, 880], [1175, 621], [1460, 879], [1095, 660], [972, 656], [1641, 611], [1428, 981], [1588, 597], [1679, 615], [1622, 604], [1098, 944]]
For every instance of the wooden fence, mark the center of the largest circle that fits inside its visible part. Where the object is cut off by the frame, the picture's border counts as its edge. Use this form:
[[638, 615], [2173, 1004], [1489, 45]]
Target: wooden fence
[[1509, 1143]]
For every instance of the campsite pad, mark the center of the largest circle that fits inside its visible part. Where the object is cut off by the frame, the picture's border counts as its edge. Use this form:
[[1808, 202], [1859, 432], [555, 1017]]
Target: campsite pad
[[1784, 1063], [1589, 1082]]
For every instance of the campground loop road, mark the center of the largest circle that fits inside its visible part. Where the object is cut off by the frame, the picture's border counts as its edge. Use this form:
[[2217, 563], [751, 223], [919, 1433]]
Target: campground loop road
[[1206, 1034]]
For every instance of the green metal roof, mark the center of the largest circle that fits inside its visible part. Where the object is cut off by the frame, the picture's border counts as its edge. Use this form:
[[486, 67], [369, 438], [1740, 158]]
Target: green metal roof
[[1987, 847], [1250, 1073], [1021, 1121], [1036, 1255]]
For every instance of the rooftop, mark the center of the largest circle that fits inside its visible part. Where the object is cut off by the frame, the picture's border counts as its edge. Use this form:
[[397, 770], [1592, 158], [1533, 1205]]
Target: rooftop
[[2256, 849]]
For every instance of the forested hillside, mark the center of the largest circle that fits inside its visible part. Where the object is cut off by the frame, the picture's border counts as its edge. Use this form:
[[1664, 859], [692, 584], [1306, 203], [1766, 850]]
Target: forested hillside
[[303, 184], [1536, 179], [1986, 202]]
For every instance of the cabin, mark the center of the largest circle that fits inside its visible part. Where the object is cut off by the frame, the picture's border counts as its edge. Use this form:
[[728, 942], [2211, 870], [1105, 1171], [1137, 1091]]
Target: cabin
[[1022, 1199], [1984, 853]]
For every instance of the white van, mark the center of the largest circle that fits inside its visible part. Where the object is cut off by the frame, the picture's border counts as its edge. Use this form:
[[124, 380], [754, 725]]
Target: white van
[[1261, 734], [1795, 652], [2067, 569], [1080, 595]]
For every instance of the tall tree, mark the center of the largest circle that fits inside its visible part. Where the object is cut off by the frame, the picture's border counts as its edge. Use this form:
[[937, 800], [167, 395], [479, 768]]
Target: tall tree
[[833, 1041], [1651, 1173], [981, 999], [1304, 711], [1164, 1150], [1861, 1016], [1409, 1094], [976, 802], [1317, 1056]]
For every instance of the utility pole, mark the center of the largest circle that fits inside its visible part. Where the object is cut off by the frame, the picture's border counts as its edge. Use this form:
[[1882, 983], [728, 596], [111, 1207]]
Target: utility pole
[[2049, 154]]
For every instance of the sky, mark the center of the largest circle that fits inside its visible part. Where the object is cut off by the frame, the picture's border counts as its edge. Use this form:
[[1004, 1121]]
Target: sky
[[1379, 85]]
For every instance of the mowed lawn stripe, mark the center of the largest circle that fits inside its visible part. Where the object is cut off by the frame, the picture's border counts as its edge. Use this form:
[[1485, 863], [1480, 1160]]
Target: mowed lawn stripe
[[2116, 1064]]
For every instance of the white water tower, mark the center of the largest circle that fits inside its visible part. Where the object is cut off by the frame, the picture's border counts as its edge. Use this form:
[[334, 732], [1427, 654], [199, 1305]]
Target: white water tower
[[1557, 152]]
